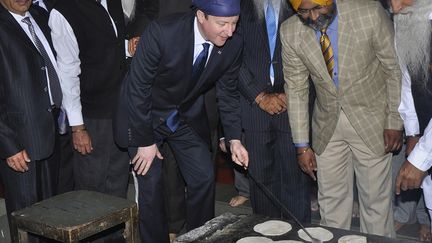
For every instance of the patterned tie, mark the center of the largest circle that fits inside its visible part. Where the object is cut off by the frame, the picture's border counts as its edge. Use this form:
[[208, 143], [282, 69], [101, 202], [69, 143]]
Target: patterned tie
[[271, 32], [173, 120], [200, 62], [327, 51], [53, 81]]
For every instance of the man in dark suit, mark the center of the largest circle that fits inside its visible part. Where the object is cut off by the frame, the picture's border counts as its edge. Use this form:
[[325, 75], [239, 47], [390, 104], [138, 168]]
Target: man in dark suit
[[178, 59], [30, 97], [264, 118]]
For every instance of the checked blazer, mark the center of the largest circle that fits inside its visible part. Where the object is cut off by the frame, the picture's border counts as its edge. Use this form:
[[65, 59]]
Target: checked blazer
[[369, 76]]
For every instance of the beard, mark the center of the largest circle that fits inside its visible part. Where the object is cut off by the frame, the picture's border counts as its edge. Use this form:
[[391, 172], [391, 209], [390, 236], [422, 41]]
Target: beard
[[413, 40], [128, 9], [260, 7], [323, 20]]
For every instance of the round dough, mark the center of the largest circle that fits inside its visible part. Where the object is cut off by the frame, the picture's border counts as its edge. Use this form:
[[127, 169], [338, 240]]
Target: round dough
[[255, 239], [288, 241], [352, 239], [317, 232], [273, 228]]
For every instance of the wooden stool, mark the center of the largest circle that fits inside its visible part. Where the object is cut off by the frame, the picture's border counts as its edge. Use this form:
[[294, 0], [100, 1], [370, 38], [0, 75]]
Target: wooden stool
[[74, 216]]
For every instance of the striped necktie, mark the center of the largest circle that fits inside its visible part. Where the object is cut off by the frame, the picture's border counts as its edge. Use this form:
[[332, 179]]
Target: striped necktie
[[327, 51], [54, 82]]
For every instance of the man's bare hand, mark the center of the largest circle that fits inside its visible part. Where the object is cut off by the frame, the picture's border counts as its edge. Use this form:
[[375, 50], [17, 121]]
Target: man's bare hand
[[392, 140], [132, 45], [272, 104], [409, 177], [222, 145], [307, 161], [144, 158], [238, 153], [18, 162], [410, 144], [81, 140], [282, 97]]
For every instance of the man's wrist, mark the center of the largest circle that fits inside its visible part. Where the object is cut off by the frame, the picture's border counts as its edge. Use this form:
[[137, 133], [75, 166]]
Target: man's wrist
[[78, 128], [413, 136], [303, 150], [260, 97], [233, 141]]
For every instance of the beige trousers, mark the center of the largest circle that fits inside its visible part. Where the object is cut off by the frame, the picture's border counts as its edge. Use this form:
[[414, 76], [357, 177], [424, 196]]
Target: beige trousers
[[346, 155]]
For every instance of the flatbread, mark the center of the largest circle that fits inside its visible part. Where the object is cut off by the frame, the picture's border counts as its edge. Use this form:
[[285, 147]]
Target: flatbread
[[273, 228], [352, 239], [255, 239], [317, 232], [288, 241]]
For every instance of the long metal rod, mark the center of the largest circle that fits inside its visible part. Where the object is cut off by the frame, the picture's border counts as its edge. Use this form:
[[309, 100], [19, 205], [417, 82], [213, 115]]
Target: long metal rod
[[280, 204]]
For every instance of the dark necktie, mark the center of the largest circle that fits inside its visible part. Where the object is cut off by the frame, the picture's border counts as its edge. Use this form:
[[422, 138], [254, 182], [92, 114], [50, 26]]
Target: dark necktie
[[53, 81], [200, 61], [173, 120]]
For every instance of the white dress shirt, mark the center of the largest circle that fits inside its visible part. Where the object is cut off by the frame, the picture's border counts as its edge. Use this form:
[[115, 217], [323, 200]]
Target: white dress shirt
[[66, 46], [42, 38], [198, 43]]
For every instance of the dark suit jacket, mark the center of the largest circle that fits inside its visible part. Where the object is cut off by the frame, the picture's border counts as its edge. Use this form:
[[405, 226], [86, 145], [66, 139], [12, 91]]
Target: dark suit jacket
[[49, 4], [149, 10], [26, 121], [159, 82], [254, 74]]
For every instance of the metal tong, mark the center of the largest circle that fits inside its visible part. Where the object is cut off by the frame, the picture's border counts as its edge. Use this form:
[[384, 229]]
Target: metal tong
[[272, 197]]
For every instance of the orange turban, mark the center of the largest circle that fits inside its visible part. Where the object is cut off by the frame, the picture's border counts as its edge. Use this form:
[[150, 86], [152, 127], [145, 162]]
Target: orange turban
[[296, 3]]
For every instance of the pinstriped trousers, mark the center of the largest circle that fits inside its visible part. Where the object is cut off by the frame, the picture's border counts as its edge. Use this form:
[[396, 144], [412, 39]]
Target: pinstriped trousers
[[272, 161]]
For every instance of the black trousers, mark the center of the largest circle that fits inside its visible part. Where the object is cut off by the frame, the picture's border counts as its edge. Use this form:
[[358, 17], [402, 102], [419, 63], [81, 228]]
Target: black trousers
[[175, 196], [272, 161], [106, 168], [194, 160], [65, 177]]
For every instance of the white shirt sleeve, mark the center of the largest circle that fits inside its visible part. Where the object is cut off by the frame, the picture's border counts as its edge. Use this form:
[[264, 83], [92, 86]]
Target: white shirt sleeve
[[406, 107], [421, 156], [68, 62]]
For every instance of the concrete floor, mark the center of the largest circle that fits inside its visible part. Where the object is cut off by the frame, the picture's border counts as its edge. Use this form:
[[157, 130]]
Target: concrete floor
[[224, 192]]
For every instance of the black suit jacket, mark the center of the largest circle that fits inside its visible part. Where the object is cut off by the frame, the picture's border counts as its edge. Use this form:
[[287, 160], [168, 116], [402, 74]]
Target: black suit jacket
[[26, 121], [159, 82], [254, 74], [149, 10]]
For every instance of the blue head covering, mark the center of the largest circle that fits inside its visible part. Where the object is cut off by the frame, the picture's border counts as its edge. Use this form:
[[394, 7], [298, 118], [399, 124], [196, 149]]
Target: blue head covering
[[220, 8]]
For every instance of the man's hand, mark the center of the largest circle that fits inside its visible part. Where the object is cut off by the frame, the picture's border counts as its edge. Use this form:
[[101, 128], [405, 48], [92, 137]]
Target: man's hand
[[307, 161], [392, 140], [144, 158], [282, 97], [410, 144], [238, 153], [222, 145], [409, 177], [132, 45], [18, 162], [81, 140], [271, 103]]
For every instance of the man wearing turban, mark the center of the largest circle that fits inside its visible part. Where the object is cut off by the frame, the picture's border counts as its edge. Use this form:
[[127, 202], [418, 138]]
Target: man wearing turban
[[346, 48], [178, 59], [414, 18]]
